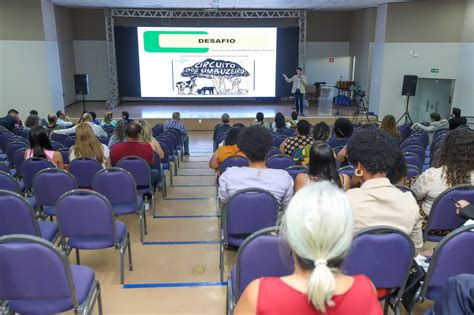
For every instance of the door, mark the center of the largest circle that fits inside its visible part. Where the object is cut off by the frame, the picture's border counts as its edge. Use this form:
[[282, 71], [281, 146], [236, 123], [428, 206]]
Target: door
[[432, 95]]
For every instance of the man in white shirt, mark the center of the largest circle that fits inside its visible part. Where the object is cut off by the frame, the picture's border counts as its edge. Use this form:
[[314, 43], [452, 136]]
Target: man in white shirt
[[86, 118], [63, 120], [298, 89]]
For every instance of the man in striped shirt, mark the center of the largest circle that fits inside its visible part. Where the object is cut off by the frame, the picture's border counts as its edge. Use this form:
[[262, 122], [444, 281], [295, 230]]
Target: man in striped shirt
[[176, 123]]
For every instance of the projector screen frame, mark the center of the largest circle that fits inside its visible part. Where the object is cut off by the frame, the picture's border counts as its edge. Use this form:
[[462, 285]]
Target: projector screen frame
[[111, 14]]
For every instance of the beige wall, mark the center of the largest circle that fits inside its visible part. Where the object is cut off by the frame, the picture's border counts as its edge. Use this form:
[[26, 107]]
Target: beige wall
[[88, 24], [430, 21], [328, 26], [14, 13]]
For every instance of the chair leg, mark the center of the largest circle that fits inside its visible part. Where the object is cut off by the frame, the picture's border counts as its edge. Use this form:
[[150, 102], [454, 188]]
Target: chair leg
[[221, 258], [129, 248], [144, 222], [171, 177], [78, 259], [99, 299], [175, 165], [141, 226], [122, 272]]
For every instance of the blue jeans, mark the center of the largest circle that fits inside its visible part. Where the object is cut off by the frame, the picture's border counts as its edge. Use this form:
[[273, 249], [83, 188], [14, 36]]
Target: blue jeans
[[299, 97]]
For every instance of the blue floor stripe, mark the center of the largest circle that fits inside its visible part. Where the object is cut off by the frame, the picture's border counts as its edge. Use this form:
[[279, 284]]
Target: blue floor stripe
[[186, 216], [183, 243], [190, 198], [174, 285]]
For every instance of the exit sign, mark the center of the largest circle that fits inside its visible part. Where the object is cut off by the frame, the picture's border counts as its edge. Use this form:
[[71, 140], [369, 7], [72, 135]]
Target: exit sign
[[434, 70]]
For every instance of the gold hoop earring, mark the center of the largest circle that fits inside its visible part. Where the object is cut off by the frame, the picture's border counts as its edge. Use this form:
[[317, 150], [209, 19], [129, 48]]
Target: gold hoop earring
[[358, 172]]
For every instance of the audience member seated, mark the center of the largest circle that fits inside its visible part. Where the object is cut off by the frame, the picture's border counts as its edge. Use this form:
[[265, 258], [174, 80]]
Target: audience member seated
[[318, 227], [255, 142], [279, 124], [223, 126], [302, 138], [108, 120], [321, 131], [86, 118], [146, 136], [343, 129], [456, 166], [229, 148], [132, 147], [63, 120], [31, 121], [456, 120], [436, 124], [10, 120], [94, 118], [457, 297], [87, 145], [390, 126], [119, 133], [322, 166], [176, 123], [42, 121], [397, 175], [126, 117], [259, 121], [53, 123], [377, 202], [41, 147], [294, 120], [465, 210]]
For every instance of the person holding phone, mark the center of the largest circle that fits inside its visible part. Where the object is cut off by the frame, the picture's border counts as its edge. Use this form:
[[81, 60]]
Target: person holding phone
[[464, 209], [299, 81]]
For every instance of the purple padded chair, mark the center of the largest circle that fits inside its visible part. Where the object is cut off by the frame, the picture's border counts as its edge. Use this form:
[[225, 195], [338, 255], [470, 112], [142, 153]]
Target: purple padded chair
[[18, 159], [410, 142], [103, 140], [165, 162], [417, 149], [412, 171], [278, 139], [453, 256], [413, 159], [4, 167], [406, 189], [17, 217], [30, 167], [12, 147], [48, 185], [273, 151], [69, 141], [347, 170], [385, 255], [140, 170], [296, 169], [262, 254], [119, 187], [157, 165], [58, 137], [7, 182], [280, 161], [443, 211], [109, 130], [86, 221], [84, 170], [65, 154], [56, 145], [247, 211], [38, 279], [169, 141], [234, 161]]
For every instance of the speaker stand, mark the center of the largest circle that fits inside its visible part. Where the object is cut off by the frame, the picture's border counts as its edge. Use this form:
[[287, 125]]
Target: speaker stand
[[83, 103], [406, 115]]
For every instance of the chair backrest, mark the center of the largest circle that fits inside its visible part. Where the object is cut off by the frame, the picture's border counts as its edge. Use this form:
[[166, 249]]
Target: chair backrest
[[412, 171], [296, 169], [69, 141], [273, 151], [58, 137], [117, 185], [65, 154], [56, 145], [249, 210], [83, 213], [453, 256], [139, 168], [443, 211], [12, 147], [16, 215], [280, 161], [406, 189], [262, 254], [49, 184], [417, 149], [5, 139], [30, 167], [4, 167], [413, 159], [103, 140], [166, 150], [278, 139], [384, 254], [348, 170], [84, 170], [41, 268], [18, 159], [7, 182], [234, 160], [109, 129]]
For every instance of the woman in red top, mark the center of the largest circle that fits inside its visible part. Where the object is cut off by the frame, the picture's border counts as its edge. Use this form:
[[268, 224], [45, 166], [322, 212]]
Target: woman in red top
[[318, 226]]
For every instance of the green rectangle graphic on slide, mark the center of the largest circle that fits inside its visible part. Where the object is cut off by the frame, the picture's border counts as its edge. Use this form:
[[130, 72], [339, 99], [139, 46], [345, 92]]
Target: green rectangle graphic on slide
[[152, 42]]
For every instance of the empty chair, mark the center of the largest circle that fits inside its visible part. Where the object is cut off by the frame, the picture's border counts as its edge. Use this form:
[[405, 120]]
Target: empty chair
[[262, 254], [18, 159], [56, 145], [119, 187], [7, 182], [49, 184], [413, 159], [58, 137], [273, 151], [280, 161], [17, 217], [296, 169], [234, 160], [69, 141], [385, 255], [12, 147], [418, 150], [30, 167], [86, 221], [443, 214], [47, 285], [65, 154], [246, 212], [84, 170], [412, 171], [4, 167], [165, 162]]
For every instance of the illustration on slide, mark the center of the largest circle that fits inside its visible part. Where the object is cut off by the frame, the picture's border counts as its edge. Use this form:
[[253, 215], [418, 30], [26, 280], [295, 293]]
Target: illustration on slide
[[226, 78]]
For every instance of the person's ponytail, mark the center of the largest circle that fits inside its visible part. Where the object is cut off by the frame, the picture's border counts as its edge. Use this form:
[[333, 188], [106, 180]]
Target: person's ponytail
[[321, 286]]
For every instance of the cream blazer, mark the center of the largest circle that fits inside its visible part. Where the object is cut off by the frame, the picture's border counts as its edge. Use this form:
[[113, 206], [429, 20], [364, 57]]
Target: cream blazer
[[294, 79]]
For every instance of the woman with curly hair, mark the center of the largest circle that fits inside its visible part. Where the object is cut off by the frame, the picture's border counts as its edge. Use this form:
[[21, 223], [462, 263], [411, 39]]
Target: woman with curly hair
[[456, 166], [378, 202], [389, 125]]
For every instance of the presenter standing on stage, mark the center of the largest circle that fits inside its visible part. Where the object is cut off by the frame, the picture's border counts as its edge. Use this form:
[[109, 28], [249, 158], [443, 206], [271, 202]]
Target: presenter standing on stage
[[299, 89]]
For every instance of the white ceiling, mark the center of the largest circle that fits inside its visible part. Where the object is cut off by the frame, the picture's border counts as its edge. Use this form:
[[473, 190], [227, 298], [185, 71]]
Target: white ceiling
[[228, 4]]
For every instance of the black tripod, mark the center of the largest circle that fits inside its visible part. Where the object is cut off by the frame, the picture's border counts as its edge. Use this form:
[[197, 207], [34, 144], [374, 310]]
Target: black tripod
[[83, 102], [407, 112], [363, 105]]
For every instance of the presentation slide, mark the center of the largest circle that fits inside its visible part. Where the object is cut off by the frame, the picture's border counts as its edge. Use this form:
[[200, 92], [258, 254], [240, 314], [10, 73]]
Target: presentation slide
[[207, 61]]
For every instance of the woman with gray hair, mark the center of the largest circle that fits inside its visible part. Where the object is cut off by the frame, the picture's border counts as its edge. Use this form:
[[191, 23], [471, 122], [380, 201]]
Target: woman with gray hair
[[318, 227]]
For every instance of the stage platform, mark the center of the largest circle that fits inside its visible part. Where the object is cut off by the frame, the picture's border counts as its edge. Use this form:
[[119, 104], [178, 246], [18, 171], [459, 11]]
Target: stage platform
[[204, 116]]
